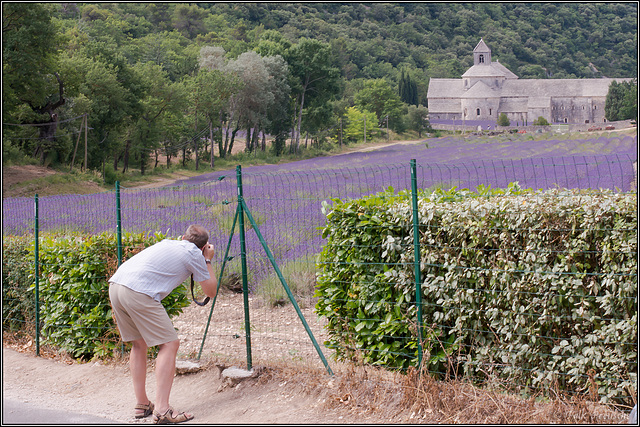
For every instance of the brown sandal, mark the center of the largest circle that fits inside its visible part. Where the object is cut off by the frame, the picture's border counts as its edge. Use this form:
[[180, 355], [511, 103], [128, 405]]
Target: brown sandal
[[147, 410], [170, 418]]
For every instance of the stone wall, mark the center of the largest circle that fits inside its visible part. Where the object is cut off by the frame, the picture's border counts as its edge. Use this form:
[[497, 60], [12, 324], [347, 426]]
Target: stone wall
[[571, 127]]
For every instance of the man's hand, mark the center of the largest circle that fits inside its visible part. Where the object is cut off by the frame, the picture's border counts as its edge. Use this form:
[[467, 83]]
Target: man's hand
[[207, 251]]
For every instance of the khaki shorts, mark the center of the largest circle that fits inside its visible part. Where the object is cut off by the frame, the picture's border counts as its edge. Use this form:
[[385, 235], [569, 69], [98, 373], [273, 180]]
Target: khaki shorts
[[140, 316]]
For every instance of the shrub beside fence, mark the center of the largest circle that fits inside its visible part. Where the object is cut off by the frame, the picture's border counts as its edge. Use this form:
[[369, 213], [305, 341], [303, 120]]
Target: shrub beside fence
[[75, 314], [532, 289], [18, 307], [75, 291]]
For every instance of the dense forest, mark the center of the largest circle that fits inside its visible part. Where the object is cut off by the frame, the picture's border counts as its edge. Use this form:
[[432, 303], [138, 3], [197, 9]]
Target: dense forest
[[138, 79]]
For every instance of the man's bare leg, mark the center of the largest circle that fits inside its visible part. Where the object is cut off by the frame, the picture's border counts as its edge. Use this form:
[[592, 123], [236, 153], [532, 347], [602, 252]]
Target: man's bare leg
[[138, 367], [165, 372]]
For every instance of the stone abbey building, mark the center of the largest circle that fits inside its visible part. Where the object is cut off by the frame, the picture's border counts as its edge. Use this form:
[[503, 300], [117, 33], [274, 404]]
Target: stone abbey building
[[488, 89]]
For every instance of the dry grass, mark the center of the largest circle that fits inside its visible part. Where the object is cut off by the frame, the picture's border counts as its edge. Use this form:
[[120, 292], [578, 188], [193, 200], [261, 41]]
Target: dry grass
[[375, 395]]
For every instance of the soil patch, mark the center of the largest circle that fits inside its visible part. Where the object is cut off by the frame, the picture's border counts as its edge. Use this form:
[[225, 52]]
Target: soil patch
[[13, 175], [26, 181]]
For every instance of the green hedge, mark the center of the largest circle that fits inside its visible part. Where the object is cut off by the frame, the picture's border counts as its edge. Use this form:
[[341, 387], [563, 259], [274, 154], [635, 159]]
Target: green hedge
[[534, 289], [18, 307], [75, 312]]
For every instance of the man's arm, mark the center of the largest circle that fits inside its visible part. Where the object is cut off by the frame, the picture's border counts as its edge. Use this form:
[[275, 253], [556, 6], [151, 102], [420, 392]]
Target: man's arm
[[209, 286]]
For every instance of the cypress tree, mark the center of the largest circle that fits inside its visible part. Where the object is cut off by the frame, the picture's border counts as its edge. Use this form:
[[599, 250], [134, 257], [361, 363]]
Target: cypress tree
[[407, 89]]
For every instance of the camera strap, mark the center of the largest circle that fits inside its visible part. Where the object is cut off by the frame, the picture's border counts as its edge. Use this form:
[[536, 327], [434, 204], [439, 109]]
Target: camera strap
[[203, 303]]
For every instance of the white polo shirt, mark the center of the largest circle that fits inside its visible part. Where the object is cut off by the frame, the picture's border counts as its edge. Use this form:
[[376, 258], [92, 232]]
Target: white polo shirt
[[159, 269]]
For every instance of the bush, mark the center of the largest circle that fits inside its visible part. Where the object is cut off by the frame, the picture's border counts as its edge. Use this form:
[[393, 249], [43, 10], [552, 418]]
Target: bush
[[536, 289], [503, 120], [75, 311], [18, 303], [540, 121], [13, 155], [110, 175]]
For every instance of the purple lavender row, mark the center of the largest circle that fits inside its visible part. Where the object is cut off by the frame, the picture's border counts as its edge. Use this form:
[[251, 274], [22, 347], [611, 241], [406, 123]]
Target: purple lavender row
[[448, 150]]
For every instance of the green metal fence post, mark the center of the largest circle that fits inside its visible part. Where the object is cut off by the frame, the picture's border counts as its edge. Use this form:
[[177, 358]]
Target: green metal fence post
[[286, 288], [416, 252], [118, 223], [119, 237], [243, 252], [37, 271]]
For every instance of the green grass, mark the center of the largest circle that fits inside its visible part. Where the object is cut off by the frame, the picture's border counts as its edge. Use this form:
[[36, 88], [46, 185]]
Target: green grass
[[225, 214], [300, 276]]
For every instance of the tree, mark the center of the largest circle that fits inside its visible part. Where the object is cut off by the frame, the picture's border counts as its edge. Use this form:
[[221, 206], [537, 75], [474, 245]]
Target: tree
[[109, 104], [166, 49], [159, 15], [189, 20], [28, 55], [212, 58], [378, 96], [356, 122], [33, 91], [254, 97], [418, 118], [503, 120], [212, 92], [273, 43], [622, 101], [540, 121], [629, 106], [279, 113], [160, 96], [407, 89], [315, 78], [173, 127]]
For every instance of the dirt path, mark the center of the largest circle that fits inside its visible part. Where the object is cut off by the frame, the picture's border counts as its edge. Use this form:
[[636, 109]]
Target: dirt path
[[106, 391], [283, 393]]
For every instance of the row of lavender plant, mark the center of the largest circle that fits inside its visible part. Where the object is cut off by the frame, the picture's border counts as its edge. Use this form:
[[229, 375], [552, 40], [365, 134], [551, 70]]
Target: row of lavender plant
[[549, 156]]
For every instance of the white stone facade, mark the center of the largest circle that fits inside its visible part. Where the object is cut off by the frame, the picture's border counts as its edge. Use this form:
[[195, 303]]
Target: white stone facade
[[488, 89]]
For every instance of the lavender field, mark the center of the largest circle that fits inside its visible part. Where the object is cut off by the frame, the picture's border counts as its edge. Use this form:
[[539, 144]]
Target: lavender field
[[285, 200], [547, 160]]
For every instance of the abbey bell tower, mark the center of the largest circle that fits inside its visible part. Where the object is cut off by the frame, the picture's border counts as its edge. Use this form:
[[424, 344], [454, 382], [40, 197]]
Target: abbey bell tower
[[482, 54]]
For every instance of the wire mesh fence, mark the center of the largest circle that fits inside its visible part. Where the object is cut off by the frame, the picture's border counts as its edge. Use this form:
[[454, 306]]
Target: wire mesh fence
[[289, 209]]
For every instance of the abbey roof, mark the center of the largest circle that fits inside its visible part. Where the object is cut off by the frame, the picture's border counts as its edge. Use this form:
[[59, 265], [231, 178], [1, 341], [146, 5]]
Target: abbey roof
[[556, 88]]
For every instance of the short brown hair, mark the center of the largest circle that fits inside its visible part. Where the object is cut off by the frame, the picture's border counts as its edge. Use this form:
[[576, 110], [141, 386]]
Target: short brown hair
[[197, 234]]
